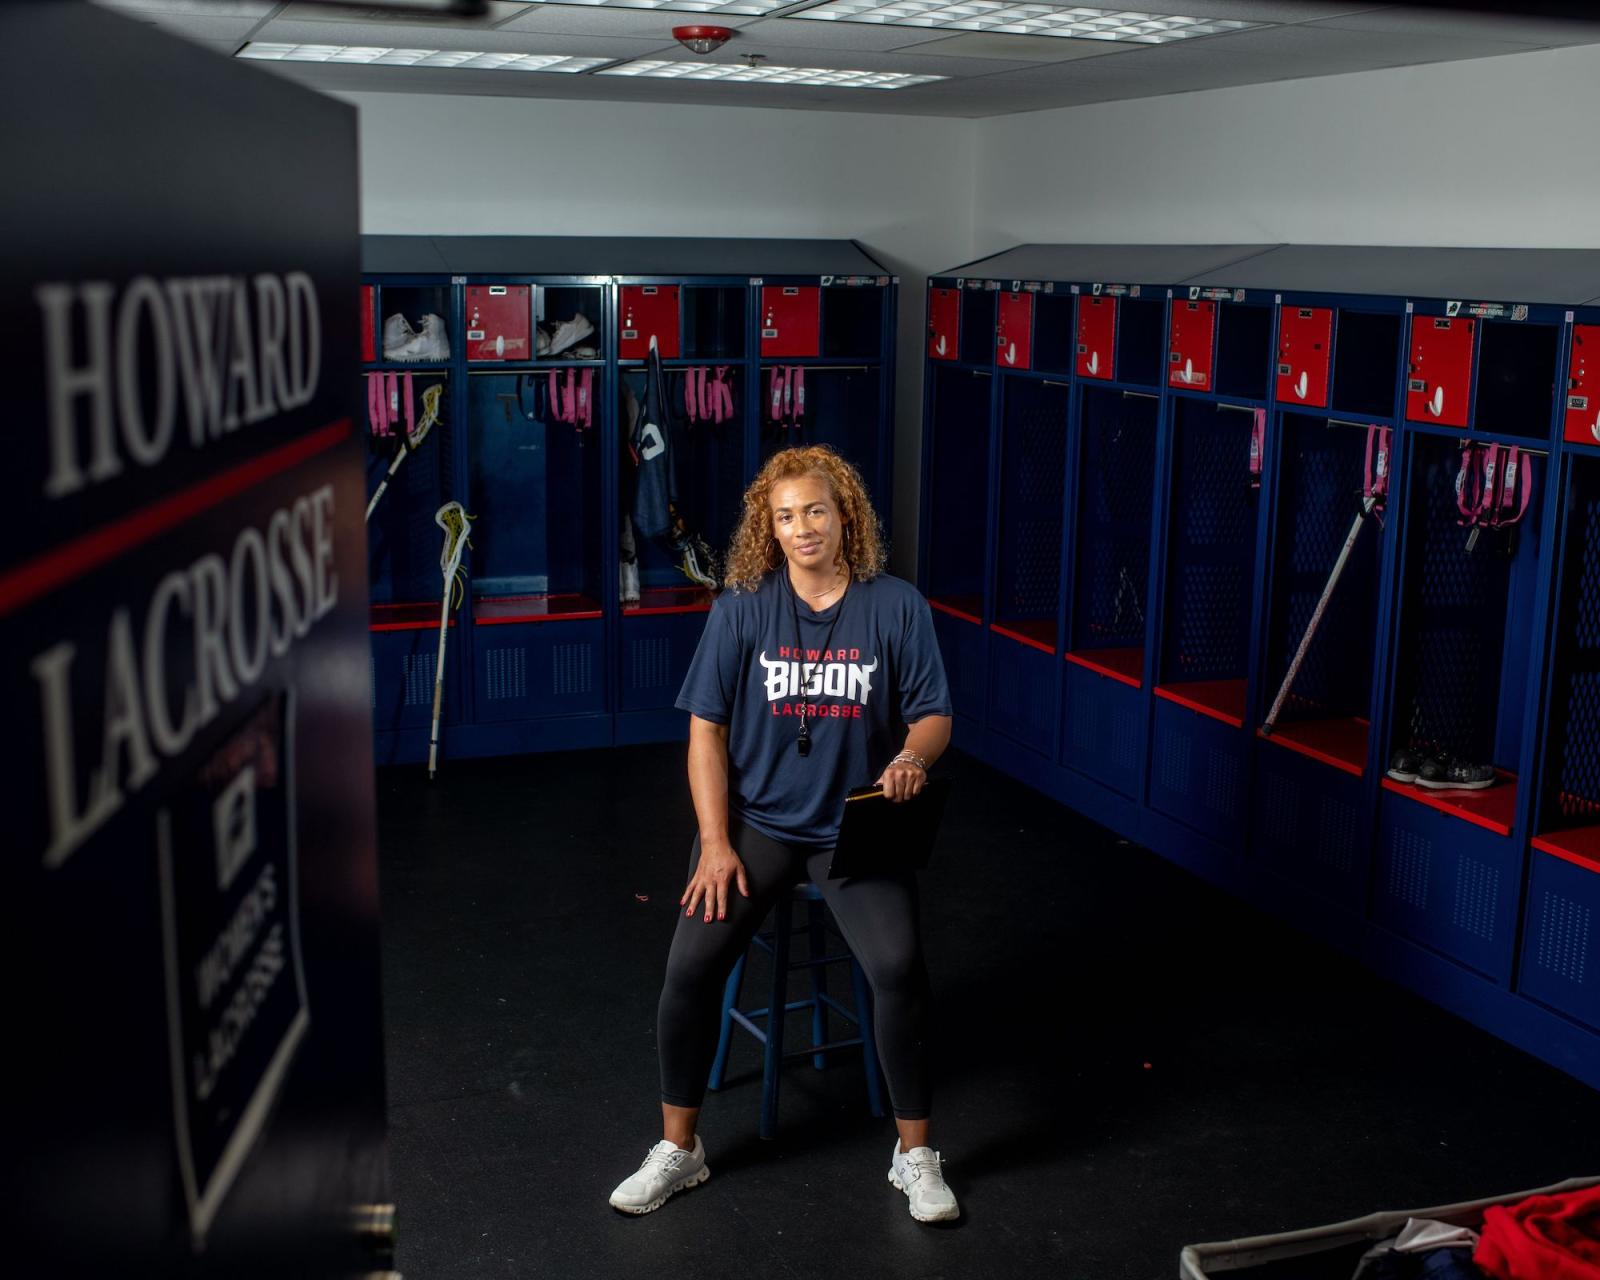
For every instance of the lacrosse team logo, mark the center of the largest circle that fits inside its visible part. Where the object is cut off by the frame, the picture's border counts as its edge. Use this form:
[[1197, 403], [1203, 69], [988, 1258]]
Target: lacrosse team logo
[[825, 673]]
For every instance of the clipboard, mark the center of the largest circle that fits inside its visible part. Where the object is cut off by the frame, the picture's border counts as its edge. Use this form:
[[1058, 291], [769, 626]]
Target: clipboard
[[879, 837]]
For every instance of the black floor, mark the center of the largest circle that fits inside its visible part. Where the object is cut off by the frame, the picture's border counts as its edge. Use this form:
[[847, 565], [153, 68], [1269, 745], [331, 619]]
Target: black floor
[[1127, 1061]]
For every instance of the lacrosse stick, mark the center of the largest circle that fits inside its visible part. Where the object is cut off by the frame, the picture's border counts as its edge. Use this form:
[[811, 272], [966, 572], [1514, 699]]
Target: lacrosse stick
[[1376, 490], [455, 523], [412, 440]]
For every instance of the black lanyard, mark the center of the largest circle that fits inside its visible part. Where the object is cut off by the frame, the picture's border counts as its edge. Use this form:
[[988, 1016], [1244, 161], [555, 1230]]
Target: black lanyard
[[804, 744]]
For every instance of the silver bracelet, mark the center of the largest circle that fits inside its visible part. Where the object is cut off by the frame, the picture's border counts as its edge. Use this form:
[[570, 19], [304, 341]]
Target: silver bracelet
[[911, 757]]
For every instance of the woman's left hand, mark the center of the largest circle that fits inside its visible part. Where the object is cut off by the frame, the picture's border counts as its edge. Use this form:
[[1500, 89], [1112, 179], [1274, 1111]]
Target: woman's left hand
[[901, 781]]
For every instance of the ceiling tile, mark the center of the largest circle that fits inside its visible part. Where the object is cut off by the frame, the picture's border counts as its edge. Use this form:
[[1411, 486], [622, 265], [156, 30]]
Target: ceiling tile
[[593, 20], [1287, 52], [196, 27], [840, 35], [308, 11], [1257, 10], [984, 44], [1487, 26], [255, 9]]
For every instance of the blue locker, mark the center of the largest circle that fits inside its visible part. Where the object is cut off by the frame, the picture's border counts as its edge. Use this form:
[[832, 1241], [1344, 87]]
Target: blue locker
[[961, 644], [1447, 883], [1310, 824], [1561, 941], [1102, 728], [524, 670]]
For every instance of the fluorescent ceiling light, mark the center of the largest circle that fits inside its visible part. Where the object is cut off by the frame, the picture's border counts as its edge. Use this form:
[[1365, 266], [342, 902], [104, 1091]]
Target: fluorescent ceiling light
[[737, 74], [459, 59], [1025, 19]]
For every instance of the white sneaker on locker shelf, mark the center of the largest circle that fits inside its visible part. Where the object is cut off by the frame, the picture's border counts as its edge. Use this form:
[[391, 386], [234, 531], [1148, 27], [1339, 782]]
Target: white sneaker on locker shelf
[[569, 333], [397, 335], [431, 344]]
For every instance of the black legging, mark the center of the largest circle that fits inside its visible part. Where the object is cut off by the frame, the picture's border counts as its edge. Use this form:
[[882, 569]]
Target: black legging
[[877, 916]]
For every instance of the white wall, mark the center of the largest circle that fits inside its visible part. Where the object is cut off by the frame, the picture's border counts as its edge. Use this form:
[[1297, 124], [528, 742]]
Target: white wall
[[899, 185], [1480, 153]]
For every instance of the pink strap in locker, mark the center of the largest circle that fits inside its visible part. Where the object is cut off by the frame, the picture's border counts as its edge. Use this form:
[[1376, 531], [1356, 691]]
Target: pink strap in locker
[[1258, 440], [1376, 484]]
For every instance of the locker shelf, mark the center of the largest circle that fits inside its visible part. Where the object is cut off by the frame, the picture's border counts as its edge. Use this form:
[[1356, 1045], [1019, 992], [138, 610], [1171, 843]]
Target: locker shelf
[[967, 608], [1126, 666], [656, 600], [1580, 846], [1340, 742], [1040, 633], [1493, 809], [418, 616], [1222, 700], [493, 611]]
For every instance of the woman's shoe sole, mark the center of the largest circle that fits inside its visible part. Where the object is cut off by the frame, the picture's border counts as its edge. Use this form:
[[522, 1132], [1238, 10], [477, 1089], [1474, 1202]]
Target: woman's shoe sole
[[695, 1181], [1456, 786]]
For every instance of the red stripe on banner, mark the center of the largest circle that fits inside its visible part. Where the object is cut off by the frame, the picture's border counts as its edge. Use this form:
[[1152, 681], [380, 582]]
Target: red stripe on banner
[[72, 560]]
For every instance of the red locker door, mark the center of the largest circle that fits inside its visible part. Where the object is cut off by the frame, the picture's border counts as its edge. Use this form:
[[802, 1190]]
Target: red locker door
[[1097, 336], [1439, 377], [369, 341], [1583, 386], [1305, 345], [1013, 331], [1193, 338], [944, 324], [791, 318], [499, 321], [648, 311]]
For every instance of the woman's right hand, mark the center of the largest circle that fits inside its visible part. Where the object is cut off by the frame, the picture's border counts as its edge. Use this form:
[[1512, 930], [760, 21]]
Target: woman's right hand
[[719, 866]]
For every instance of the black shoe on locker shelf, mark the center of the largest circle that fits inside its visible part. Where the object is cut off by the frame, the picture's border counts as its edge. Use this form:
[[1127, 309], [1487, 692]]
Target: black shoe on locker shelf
[[1444, 773], [1405, 764]]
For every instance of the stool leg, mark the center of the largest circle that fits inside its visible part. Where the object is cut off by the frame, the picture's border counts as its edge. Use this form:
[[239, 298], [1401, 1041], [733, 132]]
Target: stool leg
[[869, 1038], [730, 1002], [817, 931], [772, 1054]]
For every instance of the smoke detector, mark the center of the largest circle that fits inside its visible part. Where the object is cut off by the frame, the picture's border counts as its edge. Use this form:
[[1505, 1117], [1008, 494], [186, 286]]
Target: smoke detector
[[701, 39]]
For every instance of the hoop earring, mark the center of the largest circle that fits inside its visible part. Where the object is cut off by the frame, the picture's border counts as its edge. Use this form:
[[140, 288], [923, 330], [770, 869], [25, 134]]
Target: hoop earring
[[771, 547]]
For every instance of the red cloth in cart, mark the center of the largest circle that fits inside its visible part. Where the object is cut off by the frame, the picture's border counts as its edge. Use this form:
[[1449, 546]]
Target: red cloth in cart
[[1555, 1237]]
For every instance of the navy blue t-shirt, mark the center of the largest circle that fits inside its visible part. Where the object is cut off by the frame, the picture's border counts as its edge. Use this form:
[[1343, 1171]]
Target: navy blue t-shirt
[[881, 672]]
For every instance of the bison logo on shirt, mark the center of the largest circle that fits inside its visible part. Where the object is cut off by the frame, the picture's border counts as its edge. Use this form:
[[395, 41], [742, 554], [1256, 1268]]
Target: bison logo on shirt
[[849, 680]]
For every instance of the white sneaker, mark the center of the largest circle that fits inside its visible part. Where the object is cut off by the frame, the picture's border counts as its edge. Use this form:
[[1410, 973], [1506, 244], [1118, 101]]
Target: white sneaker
[[397, 333], [917, 1173], [666, 1169], [569, 332], [430, 343]]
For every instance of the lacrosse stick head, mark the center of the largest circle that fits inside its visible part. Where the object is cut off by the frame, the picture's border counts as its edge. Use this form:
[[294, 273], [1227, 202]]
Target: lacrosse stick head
[[415, 435], [455, 522]]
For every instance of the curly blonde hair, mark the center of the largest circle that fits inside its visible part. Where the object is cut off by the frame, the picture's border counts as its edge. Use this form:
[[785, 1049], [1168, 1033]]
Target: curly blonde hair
[[754, 551]]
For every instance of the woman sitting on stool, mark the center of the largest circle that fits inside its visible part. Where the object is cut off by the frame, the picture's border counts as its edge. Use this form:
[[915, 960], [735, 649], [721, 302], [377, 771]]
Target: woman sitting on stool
[[816, 673]]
